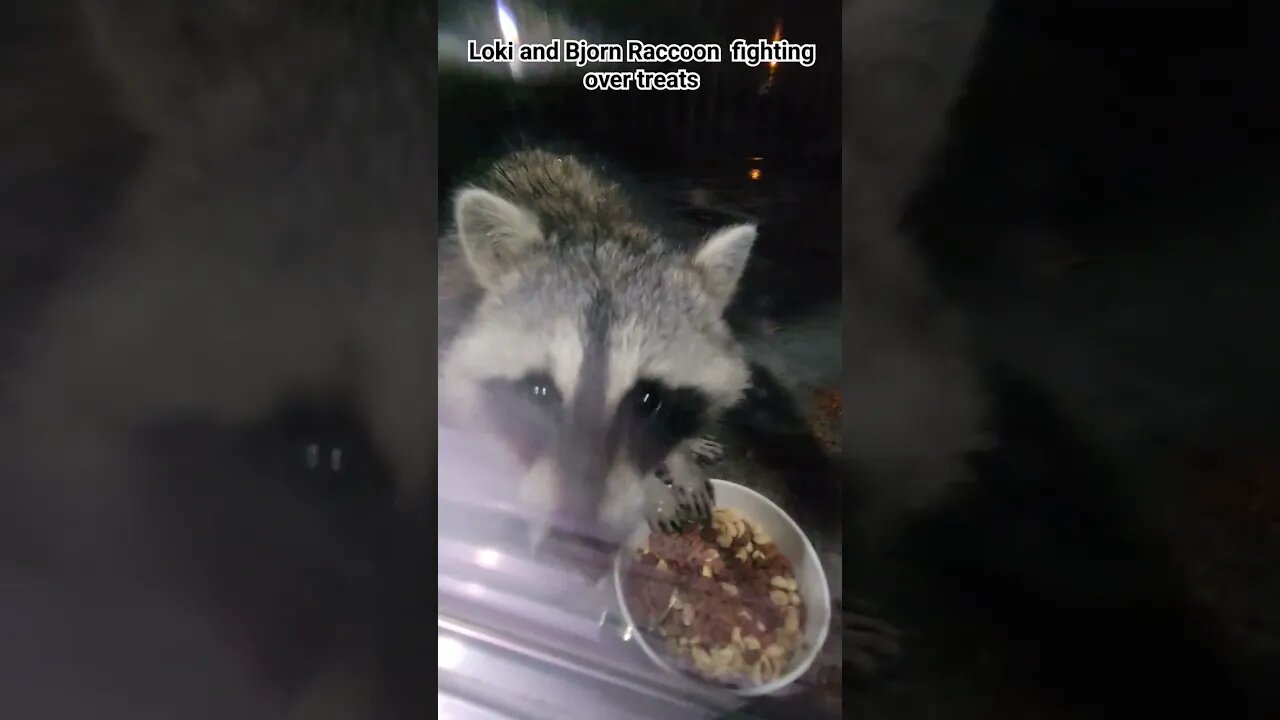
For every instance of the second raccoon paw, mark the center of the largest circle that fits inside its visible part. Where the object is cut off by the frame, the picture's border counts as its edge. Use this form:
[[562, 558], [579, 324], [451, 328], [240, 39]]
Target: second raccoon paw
[[707, 451], [678, 500], [871, 646]]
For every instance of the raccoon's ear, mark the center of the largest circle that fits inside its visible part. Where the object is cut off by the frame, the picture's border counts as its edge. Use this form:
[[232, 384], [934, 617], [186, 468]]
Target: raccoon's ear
[[721, 260], [176, 61], [496, 235]]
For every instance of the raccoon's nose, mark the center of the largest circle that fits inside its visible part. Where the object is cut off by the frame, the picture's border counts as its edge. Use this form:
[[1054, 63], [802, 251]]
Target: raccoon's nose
[[582, 485]]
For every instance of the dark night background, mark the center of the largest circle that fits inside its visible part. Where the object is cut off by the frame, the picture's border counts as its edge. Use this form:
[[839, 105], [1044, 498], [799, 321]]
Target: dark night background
[[1104, 209]]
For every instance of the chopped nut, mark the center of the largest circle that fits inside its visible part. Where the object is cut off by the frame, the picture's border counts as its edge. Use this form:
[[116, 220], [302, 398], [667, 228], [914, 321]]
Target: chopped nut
[[662, 564], [779, 598], [794, 598], [792, 623], [779, 582], [730, 589], [724, 541], [687, 615], [774, 651], [723, 656], [701, 657], [736, 635], [742, 554], [706, 571], [751, 643]]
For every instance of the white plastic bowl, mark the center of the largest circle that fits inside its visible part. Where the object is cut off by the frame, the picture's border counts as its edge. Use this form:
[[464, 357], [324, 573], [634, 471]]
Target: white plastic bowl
[[810, 577]]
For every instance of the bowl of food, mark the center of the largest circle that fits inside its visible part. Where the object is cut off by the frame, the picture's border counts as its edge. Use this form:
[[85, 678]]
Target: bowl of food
[[740, 602]]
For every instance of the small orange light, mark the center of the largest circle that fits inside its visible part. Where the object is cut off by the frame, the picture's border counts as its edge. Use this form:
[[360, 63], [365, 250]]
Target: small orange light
[[754, 174], [777, 35]]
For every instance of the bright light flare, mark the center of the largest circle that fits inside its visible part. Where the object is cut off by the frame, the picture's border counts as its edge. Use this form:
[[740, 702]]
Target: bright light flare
[[507, 23], [451, 653], [754, 173], [488, 558]]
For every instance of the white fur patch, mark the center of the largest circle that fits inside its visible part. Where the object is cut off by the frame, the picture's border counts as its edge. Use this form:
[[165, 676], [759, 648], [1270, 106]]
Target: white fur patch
[[624, 498], [566, 353], [537, 493], [495, 235], [487, 350], [721, 260], [716, 371]]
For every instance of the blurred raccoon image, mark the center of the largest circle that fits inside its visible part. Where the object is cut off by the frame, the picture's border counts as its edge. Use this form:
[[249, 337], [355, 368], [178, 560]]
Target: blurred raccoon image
[[175, 405]]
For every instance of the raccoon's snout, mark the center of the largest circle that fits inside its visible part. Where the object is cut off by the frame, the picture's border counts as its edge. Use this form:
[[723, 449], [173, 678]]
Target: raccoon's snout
[[584, 465]]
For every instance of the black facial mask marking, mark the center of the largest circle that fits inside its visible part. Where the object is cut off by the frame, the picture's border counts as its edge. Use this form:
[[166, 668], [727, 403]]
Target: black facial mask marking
[[526, 412], [653, 418]]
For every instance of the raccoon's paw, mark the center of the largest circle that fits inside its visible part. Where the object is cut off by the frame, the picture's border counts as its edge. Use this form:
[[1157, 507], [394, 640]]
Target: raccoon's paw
[[707, 451], [679, 500], [870, 645]]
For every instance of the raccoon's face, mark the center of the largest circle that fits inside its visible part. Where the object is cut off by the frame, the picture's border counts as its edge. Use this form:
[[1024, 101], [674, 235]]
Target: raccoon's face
[[593, 360]]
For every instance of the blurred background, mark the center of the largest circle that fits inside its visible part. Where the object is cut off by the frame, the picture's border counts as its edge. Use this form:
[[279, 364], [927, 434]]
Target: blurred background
[[1103, 212]]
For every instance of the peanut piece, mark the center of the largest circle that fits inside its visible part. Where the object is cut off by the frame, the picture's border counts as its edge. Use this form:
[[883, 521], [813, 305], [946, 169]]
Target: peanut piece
[[794, 598], [730, 589], [723, 656], [775, 651], [792, 622], [779, 598], [779, 582], [751, 643]]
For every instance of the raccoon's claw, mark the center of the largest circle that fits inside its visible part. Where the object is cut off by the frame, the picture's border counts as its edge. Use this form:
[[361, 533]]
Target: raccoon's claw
[[694, 504], [679, 502]]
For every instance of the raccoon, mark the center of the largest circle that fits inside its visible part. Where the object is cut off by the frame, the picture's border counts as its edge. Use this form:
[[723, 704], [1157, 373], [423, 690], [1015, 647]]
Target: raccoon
[[595, 345]]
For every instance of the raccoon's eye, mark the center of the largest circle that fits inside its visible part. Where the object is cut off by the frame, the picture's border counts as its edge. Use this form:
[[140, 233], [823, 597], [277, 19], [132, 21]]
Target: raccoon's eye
[[539, 389], [646, 399]]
